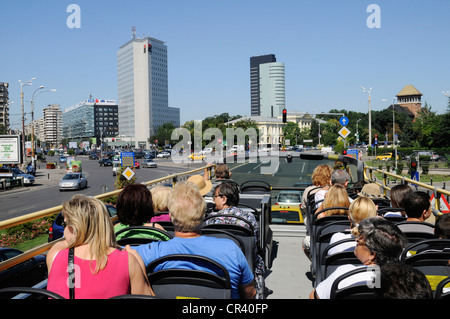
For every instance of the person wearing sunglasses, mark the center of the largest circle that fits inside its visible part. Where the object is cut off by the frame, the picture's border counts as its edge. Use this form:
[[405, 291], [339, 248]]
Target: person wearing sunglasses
[[378, 242], [99, 268]]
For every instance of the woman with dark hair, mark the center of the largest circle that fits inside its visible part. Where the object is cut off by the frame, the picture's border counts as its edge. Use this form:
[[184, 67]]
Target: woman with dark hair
[[226, 199], [135, 208], [398, 195]]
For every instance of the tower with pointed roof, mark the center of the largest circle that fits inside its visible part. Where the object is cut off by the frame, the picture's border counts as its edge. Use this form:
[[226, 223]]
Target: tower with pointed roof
[[410, 98]]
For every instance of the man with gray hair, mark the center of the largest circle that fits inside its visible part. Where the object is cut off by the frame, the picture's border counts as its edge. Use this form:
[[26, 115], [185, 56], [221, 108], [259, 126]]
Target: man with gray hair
[[340, 176]]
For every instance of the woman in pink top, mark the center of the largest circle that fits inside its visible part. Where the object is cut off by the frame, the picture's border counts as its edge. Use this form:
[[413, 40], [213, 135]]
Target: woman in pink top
[[102, 270]]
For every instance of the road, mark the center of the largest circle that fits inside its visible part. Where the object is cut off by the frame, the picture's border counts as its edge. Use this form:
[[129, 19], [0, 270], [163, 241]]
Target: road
[[45, 192]]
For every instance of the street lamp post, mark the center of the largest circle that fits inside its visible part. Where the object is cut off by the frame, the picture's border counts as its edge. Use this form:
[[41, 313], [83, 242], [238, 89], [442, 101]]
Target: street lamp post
[[357, 133], [393, 132], [370, 114], [32, 122], [29, 82]]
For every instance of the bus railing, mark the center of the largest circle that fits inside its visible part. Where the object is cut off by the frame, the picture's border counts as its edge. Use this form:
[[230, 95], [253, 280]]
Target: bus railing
[[174, 178], [438, 192]]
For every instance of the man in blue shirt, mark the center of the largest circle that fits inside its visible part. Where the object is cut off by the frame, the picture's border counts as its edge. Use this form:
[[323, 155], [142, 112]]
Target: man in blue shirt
[[187, 211]]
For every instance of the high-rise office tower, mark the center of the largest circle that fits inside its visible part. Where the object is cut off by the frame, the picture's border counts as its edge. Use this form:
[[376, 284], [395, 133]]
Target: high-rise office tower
[[267, 86], [143, 97]]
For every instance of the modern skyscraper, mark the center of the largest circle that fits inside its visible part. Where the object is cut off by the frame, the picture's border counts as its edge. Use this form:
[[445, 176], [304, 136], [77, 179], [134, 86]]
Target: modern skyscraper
[[267, 87], [143, 97]]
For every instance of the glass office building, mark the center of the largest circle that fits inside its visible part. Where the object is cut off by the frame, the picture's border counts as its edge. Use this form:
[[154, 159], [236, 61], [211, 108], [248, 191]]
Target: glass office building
[[91, 119]]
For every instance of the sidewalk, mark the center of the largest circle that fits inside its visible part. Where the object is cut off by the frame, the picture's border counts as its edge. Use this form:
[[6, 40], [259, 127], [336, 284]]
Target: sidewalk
[[43, 178]]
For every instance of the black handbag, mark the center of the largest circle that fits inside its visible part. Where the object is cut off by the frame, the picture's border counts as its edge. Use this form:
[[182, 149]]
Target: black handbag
[[71, 271]]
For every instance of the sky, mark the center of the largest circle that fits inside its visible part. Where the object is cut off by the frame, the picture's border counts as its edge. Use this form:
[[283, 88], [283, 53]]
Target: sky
[[330, 49]]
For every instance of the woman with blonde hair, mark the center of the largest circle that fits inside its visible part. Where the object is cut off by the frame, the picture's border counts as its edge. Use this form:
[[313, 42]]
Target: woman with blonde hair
[[337, 196], [89, 264], [160, 198], [360, 209]]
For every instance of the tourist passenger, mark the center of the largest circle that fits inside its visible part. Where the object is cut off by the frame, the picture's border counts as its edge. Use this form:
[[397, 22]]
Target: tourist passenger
[[378, 241], [226, 198], [442, 227], [418, 210], [337, 196], [135, 208], [321, 177], [160, 199], [398, 195], [102, 269], [401, 281], [187, 212], [360, 209], [338, 177], [221, 173]]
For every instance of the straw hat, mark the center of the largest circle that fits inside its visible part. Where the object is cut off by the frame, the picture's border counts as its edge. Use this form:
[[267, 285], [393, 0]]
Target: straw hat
[[371, 190], [203, 186]]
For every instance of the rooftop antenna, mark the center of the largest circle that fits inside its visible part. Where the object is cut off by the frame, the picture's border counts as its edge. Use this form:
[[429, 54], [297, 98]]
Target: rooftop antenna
[[133, 32]]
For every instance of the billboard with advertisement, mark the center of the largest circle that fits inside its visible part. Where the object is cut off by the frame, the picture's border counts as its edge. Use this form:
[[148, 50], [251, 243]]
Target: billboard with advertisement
[[10, 149]]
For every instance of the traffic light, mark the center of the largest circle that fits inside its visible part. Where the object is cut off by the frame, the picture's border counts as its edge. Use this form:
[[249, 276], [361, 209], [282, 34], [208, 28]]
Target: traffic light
[[284, 115], [344, 152], [413, 169]]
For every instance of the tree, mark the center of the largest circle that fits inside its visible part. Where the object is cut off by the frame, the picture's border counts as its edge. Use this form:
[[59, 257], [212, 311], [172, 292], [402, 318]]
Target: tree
[[291, 132], [164, 134]]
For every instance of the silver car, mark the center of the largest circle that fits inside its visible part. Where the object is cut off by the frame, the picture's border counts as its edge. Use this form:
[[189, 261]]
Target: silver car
[[149, 163], [73, 181]]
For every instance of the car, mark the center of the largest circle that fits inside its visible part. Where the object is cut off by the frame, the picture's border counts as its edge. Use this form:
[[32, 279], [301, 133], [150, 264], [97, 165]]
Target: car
[[384, 157], [139, 154], [196, 157], [94, 156], [25, 274], [62, 159], [149, 155], [27, 178], [289, 197], [163, 154], [56, 230], [287, 207], [435, 157], [149, 163], [207, 151], [73, 181], [105, 162]]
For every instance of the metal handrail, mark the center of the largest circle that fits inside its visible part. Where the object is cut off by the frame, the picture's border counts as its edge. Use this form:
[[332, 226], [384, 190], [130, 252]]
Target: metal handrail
[[436, 191], [54, 210]]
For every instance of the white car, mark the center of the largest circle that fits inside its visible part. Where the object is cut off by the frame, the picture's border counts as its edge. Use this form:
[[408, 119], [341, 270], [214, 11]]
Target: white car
[[163, 154], [149, 164]]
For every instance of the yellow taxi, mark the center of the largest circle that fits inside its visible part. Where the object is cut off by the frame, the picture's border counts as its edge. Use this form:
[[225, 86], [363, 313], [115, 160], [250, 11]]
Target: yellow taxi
[[287, 208], [385, 157], [196, 157]]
